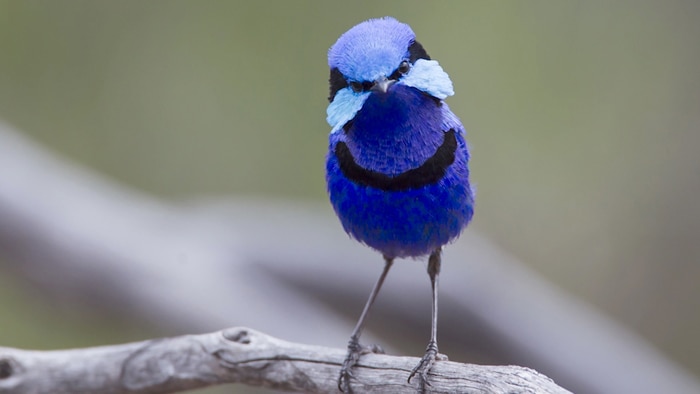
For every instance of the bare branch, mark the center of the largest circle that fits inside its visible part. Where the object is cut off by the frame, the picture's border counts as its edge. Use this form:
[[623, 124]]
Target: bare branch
[[241, 355], [84, 239]]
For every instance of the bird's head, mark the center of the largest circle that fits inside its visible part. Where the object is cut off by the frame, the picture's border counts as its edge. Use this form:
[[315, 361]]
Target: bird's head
[[373, 56]]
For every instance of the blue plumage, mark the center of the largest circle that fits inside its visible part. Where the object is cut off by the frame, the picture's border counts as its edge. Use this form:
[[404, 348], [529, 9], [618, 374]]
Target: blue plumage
[[391, 133], [397, 167]]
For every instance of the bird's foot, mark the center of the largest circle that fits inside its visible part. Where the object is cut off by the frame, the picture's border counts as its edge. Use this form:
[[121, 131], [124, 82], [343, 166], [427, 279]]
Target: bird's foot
[[426, 363], [355, 350]]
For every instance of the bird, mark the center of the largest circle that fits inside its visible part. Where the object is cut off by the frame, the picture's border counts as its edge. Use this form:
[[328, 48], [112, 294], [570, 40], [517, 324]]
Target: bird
[[397, 169]]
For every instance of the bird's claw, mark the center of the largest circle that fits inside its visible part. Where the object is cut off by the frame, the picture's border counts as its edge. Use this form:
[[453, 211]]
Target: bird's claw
[[355, 350], [344, 379], [426, 363], [353, 356]]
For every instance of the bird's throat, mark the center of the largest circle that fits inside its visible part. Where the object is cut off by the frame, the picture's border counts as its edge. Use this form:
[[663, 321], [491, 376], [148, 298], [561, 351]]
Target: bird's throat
[[396, 131]]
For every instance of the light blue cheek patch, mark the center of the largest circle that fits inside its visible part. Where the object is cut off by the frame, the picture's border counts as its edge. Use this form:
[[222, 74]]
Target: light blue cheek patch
[[344, 107], [428, 76]]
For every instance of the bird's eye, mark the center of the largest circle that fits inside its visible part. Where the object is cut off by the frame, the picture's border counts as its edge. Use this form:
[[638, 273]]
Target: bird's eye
[[404, 67], [356, 86]]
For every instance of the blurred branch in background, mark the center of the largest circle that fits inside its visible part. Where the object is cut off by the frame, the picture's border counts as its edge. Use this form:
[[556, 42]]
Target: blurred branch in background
[[276, 267], [242, 355]]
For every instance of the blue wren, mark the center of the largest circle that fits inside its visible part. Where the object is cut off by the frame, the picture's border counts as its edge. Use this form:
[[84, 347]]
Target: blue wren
[[397, 166]]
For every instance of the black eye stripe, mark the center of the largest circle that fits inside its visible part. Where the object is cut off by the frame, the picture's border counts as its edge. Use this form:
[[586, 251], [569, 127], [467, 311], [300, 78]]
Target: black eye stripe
[[358, 87], [416, 51], [337, 81], [395, 75]]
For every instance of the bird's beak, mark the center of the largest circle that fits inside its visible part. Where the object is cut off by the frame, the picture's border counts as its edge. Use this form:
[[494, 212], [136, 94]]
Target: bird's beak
[[381, 85]]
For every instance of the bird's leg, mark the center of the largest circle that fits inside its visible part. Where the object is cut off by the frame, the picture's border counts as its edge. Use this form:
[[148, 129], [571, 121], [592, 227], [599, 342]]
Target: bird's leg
[[355, 350], [431, 353]]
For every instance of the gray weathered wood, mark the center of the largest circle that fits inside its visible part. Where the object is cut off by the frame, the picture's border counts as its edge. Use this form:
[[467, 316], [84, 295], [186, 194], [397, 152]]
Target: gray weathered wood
[[81, 238], [241, 355]]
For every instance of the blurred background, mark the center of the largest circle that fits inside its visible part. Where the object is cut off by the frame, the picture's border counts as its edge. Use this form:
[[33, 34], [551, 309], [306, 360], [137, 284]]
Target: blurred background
[[583, 120]]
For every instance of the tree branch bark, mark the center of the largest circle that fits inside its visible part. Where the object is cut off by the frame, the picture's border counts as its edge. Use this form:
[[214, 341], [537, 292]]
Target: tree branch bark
[[241, 355], [82, 239]]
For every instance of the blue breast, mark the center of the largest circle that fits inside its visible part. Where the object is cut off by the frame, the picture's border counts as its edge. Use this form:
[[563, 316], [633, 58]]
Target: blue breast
[[390, 135]]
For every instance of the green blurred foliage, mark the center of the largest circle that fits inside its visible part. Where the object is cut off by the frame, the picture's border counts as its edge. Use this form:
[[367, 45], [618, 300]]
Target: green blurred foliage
[[582, 116]]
